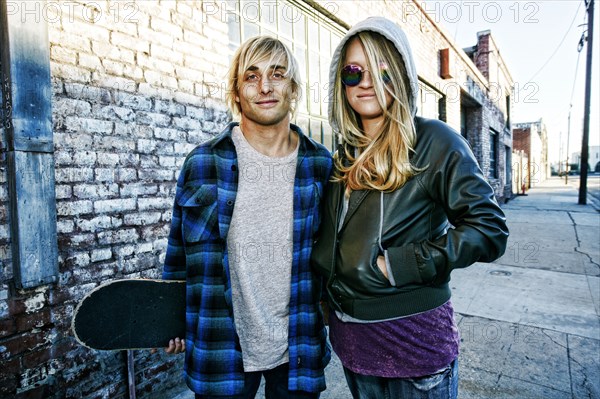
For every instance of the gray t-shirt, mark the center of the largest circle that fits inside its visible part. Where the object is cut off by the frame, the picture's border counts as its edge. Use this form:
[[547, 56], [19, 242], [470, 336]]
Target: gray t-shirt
[[260, 245]]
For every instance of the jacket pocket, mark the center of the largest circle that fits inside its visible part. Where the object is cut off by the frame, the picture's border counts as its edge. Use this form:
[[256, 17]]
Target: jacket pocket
[[199, 212]]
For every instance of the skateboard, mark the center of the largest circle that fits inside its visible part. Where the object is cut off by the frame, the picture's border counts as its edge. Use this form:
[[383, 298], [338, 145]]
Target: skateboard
[[131, 314]]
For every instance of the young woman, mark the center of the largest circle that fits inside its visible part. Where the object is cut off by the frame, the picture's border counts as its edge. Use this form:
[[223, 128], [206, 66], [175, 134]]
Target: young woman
[[407, 205]]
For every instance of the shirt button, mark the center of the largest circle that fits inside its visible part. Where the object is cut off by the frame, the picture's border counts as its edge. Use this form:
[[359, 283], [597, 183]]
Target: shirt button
[[229, 203]]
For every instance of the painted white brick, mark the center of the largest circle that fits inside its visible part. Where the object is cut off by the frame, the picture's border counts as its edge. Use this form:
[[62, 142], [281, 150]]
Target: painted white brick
[[166, 161], [113, 143], [94, 224], [197, 40], [70, 72], [164, 53], [122, 40], [187, 123], [101, 254], [128, 174], [64, 226], [186, 86], [117, 83], [73, 208], [125, 250], [124, 129], [157, 93], [87, 30], [169, 108], [107, 159], [155, 175], [87, 92], [113, 67], [63, 191], [134, 72], [63, 55], [186, 98], [153, 36], [114, 205], [138, 189], [153, 119], [114, 113], [169, 134], [69, 141], [90, 61], [133, 101], [70, 106], [167, 27], [141, 218], [66, 39], [146, 146], [88, 125], [72, 175], [129, 159], [88, 191], [86, 158], [158, 79], [118, 236], [82, 239], [80, 259], [147, 204]]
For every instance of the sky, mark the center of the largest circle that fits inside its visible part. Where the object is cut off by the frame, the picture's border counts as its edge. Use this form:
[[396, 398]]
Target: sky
[[538, 41]]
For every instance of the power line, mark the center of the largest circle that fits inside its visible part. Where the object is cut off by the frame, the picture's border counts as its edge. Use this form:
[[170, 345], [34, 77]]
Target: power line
[[557, 47], [575, 77]]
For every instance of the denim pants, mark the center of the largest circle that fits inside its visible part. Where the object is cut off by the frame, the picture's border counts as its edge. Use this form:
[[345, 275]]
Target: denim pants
[[442, 385], [276, 386]]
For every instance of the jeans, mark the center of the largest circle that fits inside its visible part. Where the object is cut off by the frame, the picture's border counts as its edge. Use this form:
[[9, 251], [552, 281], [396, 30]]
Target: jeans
[[276, 386], [442, 385]]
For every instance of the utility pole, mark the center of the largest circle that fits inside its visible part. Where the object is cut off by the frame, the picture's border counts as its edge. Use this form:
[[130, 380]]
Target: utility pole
[[586, 109], [568, 139]]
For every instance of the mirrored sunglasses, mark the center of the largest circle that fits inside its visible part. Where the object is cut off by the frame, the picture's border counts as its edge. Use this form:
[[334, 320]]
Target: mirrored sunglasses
[[352, 74]]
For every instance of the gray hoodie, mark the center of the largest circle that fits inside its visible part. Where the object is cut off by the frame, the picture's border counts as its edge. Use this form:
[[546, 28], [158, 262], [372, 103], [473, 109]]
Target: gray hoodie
[[396, 35]]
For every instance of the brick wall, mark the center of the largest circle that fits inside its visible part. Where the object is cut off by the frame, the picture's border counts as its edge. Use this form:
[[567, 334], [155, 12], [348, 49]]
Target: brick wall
[[131, 97], [135, 87]]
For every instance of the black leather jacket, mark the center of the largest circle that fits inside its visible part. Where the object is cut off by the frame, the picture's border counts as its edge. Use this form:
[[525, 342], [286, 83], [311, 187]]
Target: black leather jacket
[[444, 218]]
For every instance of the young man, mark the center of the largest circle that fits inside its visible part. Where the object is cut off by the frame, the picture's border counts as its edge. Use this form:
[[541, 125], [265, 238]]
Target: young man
[[245, 212]]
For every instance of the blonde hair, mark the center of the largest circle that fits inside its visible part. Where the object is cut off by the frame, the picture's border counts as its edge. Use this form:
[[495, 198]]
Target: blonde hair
[[253, 51], [383, 162]]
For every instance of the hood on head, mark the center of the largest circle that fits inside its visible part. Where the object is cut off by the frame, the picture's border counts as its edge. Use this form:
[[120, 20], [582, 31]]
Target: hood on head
[[393, 33]]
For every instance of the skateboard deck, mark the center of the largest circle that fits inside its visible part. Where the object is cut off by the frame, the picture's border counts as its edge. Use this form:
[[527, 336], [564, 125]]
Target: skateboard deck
[[131, 314]]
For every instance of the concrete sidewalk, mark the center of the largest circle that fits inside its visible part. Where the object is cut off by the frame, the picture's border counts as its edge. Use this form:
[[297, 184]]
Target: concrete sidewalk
[[529, 322]]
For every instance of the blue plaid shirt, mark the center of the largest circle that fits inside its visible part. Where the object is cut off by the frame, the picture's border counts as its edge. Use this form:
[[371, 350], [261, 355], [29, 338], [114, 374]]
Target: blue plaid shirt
[[197, 253]]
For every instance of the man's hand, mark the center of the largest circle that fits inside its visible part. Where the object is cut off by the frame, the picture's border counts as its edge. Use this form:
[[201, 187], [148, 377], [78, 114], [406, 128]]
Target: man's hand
[[176, 346]]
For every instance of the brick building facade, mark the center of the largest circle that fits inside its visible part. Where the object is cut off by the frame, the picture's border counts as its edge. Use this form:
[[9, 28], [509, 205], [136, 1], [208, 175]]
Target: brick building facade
[[532, 139], [134, 87]]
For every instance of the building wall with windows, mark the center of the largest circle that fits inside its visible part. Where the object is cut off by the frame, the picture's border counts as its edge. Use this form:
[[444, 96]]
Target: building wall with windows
[[532, 139], [135, 86]]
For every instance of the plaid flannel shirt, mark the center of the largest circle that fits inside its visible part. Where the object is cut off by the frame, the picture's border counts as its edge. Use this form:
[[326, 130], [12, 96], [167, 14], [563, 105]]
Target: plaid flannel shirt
[[197, 253]]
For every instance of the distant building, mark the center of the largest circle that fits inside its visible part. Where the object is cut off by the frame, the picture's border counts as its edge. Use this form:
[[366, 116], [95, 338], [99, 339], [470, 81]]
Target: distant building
[[486, 118], [593, 159], [532, 139]]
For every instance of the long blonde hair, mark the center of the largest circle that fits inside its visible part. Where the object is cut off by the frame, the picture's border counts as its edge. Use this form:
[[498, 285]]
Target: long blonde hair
[[253, 51], [383, 162]]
